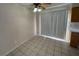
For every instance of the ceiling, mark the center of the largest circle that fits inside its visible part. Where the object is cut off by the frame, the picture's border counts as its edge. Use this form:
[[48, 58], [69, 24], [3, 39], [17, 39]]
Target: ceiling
[[52, 4], [30, 5]]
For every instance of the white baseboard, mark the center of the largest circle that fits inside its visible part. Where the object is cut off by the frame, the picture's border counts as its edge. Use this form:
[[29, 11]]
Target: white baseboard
[[54, 38]]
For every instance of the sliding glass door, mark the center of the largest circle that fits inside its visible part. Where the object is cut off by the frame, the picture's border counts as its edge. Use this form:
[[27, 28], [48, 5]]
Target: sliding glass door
[[53, 23]]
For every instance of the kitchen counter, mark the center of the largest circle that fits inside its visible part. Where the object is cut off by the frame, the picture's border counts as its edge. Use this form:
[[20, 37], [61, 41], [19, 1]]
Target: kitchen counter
[[74, 27]]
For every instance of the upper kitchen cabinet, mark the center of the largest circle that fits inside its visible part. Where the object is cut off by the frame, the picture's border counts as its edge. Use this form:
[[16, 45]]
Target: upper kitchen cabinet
[[75, 14]]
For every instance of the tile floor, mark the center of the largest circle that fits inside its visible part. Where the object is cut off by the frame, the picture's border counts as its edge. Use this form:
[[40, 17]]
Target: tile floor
[[41, 46]]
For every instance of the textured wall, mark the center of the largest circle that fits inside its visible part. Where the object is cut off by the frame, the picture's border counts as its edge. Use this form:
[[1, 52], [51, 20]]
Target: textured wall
[[16, 26]]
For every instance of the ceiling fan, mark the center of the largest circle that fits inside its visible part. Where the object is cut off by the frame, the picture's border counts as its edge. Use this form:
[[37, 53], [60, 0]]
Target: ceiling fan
[[38, 7]]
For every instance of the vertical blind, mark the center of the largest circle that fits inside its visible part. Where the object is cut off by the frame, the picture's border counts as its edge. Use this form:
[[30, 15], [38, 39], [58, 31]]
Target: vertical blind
[[53, 23]]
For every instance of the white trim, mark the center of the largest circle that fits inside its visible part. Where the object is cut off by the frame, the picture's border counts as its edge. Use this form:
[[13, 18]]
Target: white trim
[[54, 38], [68, 33]]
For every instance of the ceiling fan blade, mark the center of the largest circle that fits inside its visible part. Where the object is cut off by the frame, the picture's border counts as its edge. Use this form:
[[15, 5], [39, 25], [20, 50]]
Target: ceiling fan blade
[[44, 5], [41, 5]]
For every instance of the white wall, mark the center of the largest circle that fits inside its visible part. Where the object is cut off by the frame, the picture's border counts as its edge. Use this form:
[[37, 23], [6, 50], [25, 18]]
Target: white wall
[[16, 26]]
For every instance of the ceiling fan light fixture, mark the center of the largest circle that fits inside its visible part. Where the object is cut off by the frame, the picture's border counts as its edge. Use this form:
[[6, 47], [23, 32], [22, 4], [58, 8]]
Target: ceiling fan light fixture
[[38, 7], [39, 10], [35, 10]]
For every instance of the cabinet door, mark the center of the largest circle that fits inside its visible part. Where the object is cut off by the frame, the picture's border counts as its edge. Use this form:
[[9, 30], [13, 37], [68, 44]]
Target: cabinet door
[[75, 14], [74, 39]]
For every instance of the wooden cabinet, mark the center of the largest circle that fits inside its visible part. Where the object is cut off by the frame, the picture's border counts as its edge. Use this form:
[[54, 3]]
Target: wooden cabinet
[[74, 39], [75, 14]]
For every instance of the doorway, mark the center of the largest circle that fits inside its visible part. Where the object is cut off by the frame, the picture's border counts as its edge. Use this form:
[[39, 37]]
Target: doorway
[[53, 23]]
